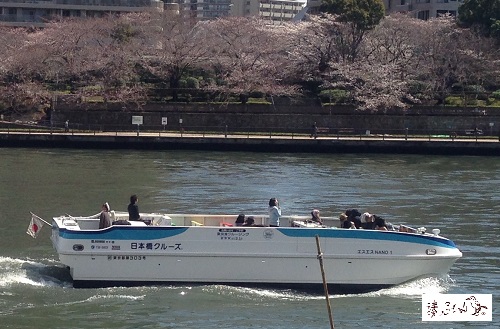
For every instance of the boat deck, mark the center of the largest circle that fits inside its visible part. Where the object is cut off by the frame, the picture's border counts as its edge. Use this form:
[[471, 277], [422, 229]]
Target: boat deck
[[92, 222]]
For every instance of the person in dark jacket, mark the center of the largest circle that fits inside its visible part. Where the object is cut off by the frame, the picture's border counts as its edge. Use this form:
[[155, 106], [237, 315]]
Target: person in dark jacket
[[354, 216], [133, 208], [240, 220], [250, 221]]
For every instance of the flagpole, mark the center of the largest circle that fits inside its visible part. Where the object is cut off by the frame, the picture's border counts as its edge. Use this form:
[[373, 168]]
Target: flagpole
[[40, 218]]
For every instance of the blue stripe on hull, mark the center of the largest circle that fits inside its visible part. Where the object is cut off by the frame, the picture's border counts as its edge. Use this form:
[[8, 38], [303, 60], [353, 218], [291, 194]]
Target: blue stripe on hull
[[125, 233], [369, 235], [156, 233]]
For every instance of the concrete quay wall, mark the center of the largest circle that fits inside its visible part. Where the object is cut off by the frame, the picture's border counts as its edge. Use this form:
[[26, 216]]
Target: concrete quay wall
[[282, 116], [490, 147]]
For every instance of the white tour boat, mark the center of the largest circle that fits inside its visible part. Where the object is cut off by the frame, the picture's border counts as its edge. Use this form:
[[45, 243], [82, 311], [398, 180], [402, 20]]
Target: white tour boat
[[208, 249]]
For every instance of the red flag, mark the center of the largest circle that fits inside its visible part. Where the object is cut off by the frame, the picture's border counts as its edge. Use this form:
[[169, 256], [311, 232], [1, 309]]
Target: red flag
[[35, 226]]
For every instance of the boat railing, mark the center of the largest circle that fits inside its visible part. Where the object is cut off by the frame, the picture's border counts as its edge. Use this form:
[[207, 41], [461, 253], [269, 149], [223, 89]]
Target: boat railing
[[92, 222]]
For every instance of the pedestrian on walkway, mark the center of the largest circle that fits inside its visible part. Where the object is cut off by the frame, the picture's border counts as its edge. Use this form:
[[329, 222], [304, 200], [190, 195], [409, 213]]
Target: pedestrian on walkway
[[314, 131]]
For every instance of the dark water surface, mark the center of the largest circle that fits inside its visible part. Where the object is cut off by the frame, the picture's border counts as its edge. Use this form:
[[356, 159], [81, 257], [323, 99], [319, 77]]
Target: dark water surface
[[460, 195]]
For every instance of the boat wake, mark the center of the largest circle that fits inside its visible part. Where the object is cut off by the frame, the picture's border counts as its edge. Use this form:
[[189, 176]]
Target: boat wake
[[412, 289], [409, 290], [257, 293], [28, 272], [51, 274]]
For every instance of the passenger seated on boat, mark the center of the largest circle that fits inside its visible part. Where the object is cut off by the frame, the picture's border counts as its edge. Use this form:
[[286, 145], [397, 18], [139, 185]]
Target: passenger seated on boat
[[240, 220], [354, 216], [348, 224], [315, 217], [250, 221], [368, 221], [380, 223], [342, 219], [104, 217]]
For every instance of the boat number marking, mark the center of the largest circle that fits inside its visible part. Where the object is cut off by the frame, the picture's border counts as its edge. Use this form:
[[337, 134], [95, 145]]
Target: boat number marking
[[126, 257], [375, 252], [155, 246]]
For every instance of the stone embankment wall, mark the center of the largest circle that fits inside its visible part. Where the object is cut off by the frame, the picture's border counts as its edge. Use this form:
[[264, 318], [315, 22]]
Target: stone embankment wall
[[283, 116]]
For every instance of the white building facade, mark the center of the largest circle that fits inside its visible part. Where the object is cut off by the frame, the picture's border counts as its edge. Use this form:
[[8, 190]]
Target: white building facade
[[423, 9], [37, 12], [273, 10]]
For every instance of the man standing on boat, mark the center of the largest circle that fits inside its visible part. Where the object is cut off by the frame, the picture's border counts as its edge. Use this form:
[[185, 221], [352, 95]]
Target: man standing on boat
[[274, 212], [133, 208]]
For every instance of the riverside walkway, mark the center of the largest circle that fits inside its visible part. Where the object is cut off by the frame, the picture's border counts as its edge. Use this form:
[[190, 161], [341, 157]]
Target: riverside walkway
[[292, 143]]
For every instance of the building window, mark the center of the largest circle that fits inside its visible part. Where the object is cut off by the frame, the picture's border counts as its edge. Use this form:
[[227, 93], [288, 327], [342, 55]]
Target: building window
[[423, 15]]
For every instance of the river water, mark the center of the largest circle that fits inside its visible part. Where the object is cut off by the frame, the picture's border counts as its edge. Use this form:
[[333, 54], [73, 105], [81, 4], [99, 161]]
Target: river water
[[459, 195]]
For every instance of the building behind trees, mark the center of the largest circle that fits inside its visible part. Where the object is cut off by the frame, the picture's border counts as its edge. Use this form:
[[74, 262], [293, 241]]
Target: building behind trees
[[423, 9], [36, 12]]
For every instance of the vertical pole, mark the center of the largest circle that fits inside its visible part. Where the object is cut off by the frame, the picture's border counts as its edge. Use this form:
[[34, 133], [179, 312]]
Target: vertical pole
[[325, 286]]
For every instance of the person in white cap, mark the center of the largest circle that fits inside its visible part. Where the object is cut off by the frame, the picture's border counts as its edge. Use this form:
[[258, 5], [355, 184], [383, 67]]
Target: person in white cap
[[368, 221], [315, 217]]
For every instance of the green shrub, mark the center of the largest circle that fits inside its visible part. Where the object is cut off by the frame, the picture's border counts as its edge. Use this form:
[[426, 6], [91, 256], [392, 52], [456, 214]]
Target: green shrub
[[335, 96], [454, 101], [192, 83], [493, 102], [496, 94], [472, 102], [210, 81]]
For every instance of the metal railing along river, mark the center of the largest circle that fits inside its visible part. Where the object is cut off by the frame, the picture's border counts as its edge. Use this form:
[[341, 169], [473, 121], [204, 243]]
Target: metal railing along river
[[340, 133]]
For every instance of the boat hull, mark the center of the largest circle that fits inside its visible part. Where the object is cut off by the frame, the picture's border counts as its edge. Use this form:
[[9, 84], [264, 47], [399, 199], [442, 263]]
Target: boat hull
[[354, 260]]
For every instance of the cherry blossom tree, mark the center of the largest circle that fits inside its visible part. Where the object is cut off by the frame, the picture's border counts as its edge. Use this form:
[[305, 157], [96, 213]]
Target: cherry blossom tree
[[176, 46], [10, 40], [393, 52], [91, 55], [406, 60], [248, 56], [452, 56], [312, 44], [398, 61], [19, 92]]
